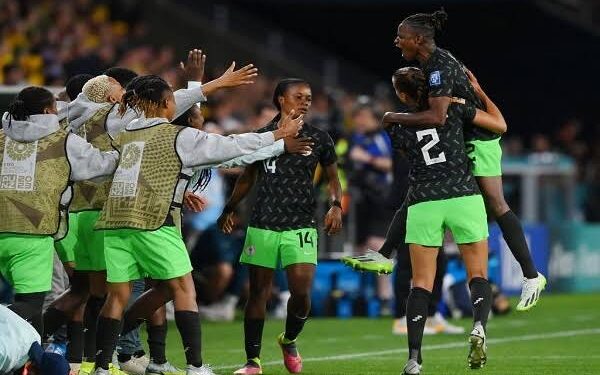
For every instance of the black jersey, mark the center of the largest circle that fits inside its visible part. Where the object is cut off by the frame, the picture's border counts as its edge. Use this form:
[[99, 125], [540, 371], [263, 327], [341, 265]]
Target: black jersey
[[439, 165], [446, 76], [285, 193]]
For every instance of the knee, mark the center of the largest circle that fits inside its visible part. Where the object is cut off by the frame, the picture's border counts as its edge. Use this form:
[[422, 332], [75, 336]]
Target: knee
[[225, 271], [423, 283], [497, 204], [183, 287], [259, 294]]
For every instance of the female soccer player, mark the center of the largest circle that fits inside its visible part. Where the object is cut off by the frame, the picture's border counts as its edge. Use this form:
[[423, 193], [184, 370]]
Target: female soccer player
[[447, 78], [283, 227], [443, 194], [39, 160], [141, 216]]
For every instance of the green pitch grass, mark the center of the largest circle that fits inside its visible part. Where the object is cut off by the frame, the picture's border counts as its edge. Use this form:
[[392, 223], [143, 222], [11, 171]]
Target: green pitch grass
[[560, 336]]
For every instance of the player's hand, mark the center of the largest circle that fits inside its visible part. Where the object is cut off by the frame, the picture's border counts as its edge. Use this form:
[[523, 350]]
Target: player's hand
[[295, 145], [233, 78], [194, 202], [289, 126], [333, 220], [193, 69], [226, 222], [474, 82]]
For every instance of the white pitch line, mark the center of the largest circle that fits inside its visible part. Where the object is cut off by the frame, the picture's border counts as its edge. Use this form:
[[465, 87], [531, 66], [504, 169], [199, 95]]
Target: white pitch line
[[450, 345]]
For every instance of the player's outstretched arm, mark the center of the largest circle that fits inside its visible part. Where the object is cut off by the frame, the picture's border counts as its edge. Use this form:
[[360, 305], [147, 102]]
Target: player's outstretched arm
[[231, 78], [490, 119], [434, 116], [333, 218], [242, 186]]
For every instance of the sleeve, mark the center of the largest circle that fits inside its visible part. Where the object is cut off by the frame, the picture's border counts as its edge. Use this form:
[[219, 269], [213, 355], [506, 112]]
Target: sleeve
[[328, 155], [186, 98], [396, 136], [440, 80], [116, 124], [88, 162], [268, 152], [198, 149]]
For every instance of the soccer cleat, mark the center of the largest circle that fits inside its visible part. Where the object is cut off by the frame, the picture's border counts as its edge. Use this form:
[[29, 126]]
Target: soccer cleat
[[412, 367], [438, 324], [478, 348], [251, 367], [135, 365], [530, 294], [112, 370], [370, 261], [202, 370], [399, 326], [162, 369], [86, 368], [291, 358]]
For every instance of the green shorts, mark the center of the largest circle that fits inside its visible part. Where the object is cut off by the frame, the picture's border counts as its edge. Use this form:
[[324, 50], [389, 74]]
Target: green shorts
[[26, 262], [465, 217], [89, 251], [65, 248], [269, 248], [132, 254], [486, 157]]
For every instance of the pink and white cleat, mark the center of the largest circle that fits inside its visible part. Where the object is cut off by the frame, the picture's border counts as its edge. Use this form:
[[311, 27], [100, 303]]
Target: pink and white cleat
[[291, 358], [252, 367]]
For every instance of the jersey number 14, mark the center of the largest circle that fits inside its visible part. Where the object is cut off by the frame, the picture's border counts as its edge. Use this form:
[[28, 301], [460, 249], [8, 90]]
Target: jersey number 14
[[435, 138], [270, 165]]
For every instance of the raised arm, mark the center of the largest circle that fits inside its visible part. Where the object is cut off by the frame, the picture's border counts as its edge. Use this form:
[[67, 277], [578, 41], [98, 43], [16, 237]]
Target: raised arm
[[242, 186], [490, 119], [231, 78]]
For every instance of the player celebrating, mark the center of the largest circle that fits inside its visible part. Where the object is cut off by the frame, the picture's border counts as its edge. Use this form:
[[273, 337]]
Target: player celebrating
[[282, 227], [447, 78], [39, 161], [142, 213], [443, 194]]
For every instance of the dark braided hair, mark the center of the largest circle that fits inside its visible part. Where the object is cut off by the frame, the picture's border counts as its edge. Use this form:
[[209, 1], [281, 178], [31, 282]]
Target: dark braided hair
[[144, 94], [427, 24], [122, 75], [282, 87], [411, 81], [32, 100], [74, 85]]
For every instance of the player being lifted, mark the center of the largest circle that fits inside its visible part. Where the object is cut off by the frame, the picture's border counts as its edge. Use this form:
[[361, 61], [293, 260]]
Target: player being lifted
[[282, 228], [447, 78]]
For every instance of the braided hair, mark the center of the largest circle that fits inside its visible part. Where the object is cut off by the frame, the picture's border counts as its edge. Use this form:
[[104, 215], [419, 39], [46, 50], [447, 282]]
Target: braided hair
[[427, 24], [282, 87], [32, 100], [144, 95], [412, 82]]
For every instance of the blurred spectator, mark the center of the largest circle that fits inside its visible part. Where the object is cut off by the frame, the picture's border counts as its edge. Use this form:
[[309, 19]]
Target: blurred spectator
[[12, 74]]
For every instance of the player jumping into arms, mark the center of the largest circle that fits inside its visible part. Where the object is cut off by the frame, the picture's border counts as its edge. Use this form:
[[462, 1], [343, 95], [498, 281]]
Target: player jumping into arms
[[447, 78], [283, 227]]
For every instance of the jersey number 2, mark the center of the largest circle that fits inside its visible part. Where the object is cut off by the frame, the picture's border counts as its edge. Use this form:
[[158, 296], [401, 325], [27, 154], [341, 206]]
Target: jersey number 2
[[270, 165], [435, 138]]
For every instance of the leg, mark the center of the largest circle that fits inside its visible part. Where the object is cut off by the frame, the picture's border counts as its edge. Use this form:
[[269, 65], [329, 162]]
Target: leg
[[509, 223], [64, 307], [97, 298], [394, 239], [109, 322], [261, 281], [129, 345], [300, 279], [423, 260], [29, 307]]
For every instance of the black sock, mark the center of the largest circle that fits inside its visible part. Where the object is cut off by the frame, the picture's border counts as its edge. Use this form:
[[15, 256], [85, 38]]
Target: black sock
[[396, 234], [253, 330], [90, 322], [402, 277], [53, 320], [293, 326], [124, 357], [188, 324], [157, 339], [481, 298], [515, 239], [436, 293], [416, 315], [130, 324], [75, 343], [106, 340], [29, 307]]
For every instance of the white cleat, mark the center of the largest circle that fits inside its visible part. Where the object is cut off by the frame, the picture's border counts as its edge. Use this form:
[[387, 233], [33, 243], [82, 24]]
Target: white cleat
[[204, 370], [135, 365], [412, 367], [438, 324], [478, 348], [530, 294]]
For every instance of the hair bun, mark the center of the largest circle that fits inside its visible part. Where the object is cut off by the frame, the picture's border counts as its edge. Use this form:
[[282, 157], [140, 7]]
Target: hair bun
[[438, 19]]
